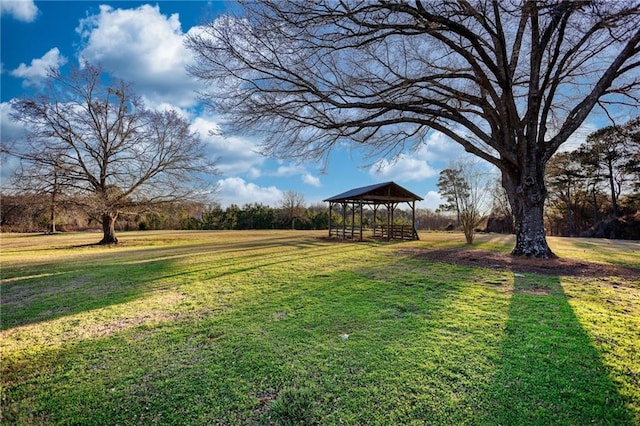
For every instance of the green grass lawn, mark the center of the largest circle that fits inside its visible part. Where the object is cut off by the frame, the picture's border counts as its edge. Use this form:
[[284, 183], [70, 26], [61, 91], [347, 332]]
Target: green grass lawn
[[281, 327]]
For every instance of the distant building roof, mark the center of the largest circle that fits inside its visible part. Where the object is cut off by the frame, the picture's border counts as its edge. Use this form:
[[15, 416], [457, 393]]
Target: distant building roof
[[378, 193]]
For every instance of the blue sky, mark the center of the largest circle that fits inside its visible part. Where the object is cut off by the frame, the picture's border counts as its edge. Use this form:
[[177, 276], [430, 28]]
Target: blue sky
[[141, 42]]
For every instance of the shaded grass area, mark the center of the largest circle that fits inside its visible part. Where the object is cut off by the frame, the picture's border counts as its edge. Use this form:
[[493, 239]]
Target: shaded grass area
[[284, 328]]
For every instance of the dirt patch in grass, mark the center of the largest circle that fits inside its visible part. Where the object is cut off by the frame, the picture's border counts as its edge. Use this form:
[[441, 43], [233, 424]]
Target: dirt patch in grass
[[491, 259]]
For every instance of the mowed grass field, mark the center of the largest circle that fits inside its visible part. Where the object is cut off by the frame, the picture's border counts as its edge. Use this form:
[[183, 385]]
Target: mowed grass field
[[283, 327]]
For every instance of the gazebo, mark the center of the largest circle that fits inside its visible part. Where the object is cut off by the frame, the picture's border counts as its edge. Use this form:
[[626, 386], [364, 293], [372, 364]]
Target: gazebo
[[388, 195]]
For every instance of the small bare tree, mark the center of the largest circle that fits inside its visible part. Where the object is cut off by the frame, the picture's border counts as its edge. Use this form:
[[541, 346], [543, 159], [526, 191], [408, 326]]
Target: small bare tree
[[95, 139], [510, 81], [293, 207], [466, 188]]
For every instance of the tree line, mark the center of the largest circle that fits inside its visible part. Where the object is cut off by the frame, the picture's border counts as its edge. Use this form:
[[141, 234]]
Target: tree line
[[29, 212], [595, 184]]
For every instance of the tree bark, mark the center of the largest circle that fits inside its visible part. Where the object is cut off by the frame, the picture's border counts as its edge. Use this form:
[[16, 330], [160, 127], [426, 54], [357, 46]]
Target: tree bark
[[109, 228], [527, 193]]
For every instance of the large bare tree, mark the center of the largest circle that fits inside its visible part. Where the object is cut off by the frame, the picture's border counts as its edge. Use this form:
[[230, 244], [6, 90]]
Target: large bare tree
[[508, 80], [93, 138]]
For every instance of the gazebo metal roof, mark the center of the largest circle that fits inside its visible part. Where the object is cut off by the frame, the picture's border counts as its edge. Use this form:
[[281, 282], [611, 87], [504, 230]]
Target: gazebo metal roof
[[378, 193]]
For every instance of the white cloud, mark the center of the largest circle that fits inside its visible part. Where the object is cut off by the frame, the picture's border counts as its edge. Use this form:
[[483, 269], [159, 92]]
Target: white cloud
[[440, 148], [22, 10], [432, 200], [10, 129], [37, 72], [254, 173], [235, 155], [13, 134], [142, 46], [405, 168], [309, 179], [421, 163], [235, 190], [290, 170]]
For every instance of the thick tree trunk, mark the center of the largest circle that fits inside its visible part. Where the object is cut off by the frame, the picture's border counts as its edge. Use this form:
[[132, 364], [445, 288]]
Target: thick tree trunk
[[527, 194], [109, 228]]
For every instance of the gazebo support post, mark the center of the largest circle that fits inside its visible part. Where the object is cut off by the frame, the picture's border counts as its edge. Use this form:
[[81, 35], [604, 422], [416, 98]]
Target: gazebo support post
[[353, 219], [344, 220], [361, 220], [375, 223], [389, 220], [330, 208], [414, 234]]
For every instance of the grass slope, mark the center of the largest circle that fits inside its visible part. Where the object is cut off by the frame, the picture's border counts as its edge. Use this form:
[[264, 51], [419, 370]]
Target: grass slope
[[285, 328]]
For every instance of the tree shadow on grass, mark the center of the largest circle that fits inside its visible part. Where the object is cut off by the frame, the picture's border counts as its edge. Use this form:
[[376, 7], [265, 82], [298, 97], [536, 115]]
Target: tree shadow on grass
[[550, 371], [545, 368], [47, 292], [420, 336], [242, 368]]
